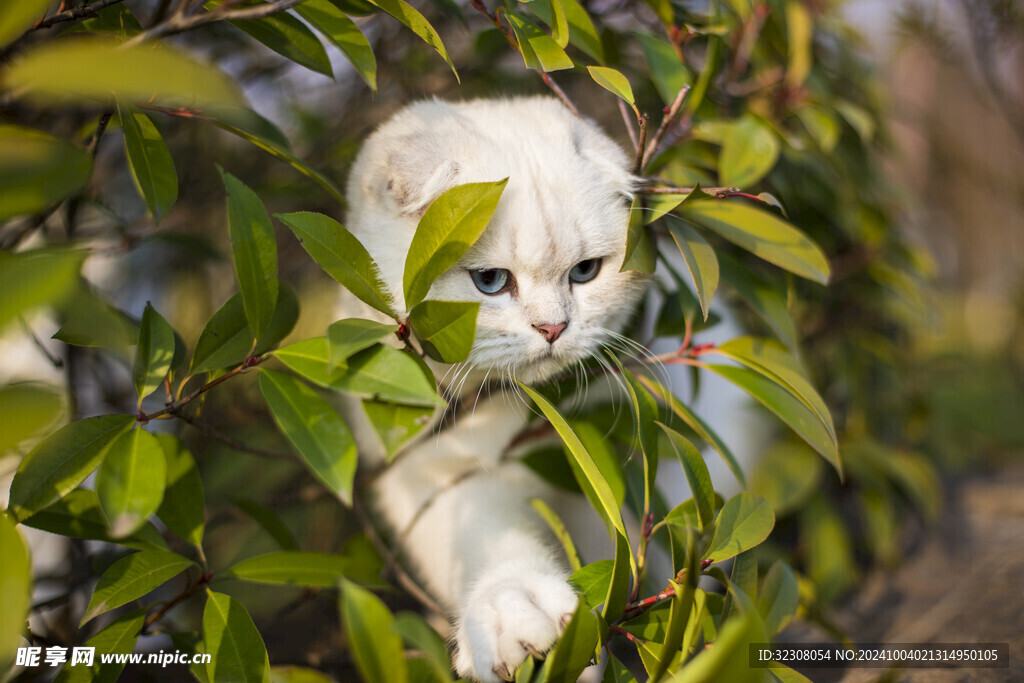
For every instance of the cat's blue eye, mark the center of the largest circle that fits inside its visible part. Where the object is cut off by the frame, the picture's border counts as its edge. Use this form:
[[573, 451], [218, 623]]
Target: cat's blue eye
[[585, 271], [491, 280]]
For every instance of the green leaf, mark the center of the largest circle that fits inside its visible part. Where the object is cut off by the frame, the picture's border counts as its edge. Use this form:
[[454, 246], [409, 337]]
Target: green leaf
[[35, 278], [418, 634], [749, 151], [641, 251], [62, 461], [696, 96], [445, 328], [448, 228], [89, 319], [607, 507], [153, 354], [574, 649], [786, 475], [614, 82], [408, 15], [800, 39], [777, 601], [382, 373], [341, 255], [149, 161], [396, 424], [665, 67], [103, 69], [131, 480], [694, 422], [604, 455], [351, 335], [376, 645], [700, 260], [539, 50], [744, 521], [28, 409], [257, 130], [762, 234], [558, 22], [343, 32], [769, 302], [182, 509], [255, 251], [315, 429], [697, 475], [79, 515], [268, 520], [132, 577], [117, 637], [679, 616], [593, 581], [616, 672], [297, 674], [727, 660], [822, 126], [15, 590], [226, 339], [235, 645], [780, 673], [645, 414], [288, 37], [37, 170], [18, 17], [791, 410], [582, 33], [618, 587], [558, 528], [859, 118], [828, 550], [293, 568]]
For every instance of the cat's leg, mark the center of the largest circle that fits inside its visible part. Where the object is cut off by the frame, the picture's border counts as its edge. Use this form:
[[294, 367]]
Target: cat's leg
[[466, 528]]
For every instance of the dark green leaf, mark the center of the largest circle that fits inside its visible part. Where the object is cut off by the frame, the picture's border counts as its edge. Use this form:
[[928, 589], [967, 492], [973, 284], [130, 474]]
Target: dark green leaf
[[679, 616], [418, 634], [749, 151], [104, 69], [595, 440], [236, 647], [268, 521], [697, 475], [376, 645], [289, 37], [382, 373], [132, 577], [153, 354], [778, 599], [768, 301], [786, 474], [62, 461], [574, 649], [182, 509], [762, 234], [408, 15], [700, 260], [16, 583], [558, 528], [293, 567], [315, 429], [666, 69], [226, 339], [149, 161], [28, 409], [36, 171], [727, 660], [641, 251], [117, 637], [255, 251], [130, 482], [616, 672], [618, 587], [445, 328], [539, 51], [79, 515], [343, 32], [710, 66], [396, 424], [448, 228], [90, 320], [744, 521], [35, 278], [351, 335], [341, 255], [593, 581]]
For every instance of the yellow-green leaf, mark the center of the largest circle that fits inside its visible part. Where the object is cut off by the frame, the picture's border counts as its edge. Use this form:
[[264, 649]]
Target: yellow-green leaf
[[153, 354], [233, 642], [445, 328], [343, 32], [132, 577], [538, 49], [16, 17], [409, 16], [38, 170], [130, 482], [700, 260], [149, 161]]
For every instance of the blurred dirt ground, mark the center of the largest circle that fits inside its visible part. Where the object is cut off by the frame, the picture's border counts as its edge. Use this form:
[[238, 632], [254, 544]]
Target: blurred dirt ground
[[964, 583]]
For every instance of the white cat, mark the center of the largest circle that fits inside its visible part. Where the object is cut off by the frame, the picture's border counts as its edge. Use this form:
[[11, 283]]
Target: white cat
[[546, 275]]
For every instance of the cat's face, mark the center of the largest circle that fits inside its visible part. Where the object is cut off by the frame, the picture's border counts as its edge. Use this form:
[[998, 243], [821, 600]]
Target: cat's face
[[546, 270]]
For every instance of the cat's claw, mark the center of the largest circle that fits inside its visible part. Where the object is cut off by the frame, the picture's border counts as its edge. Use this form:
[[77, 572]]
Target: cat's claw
[[504, 620]]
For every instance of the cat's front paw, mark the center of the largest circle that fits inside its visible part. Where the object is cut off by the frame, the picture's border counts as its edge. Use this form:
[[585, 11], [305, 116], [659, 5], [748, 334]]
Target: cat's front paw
[[505, 619]]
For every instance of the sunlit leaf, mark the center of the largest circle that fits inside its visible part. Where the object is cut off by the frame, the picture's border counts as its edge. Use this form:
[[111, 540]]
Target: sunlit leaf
[[700, 260], [418, 634], [744, 522], [255, 251], [582, 33], [182, 509], [614, 82], [153, 354], [350, 336], [28, 409], [574, 649], [593, 581], [618, 586], [382, 373], [777, 600], [341, 255], [94, 68], [409, 16], [17, 17], [343, 32], [38, 170], [15, 589], [445, 328], [763, 235], [749, 151], [79, 515], [231, 638], [132, 577], [538, 49], [36, 278], [315, 429], [558, 528], [367, 624], [116, 638], [641, 251], [697, 475], [448, 228], [293, 568], [822, 126], [289, 37], [62, 461], [800, 39], [396, 424], [149, 161], [226, 339], [130, 482]]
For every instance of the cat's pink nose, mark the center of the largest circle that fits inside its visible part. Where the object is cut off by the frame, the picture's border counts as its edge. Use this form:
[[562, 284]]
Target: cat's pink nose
[[550, 332]]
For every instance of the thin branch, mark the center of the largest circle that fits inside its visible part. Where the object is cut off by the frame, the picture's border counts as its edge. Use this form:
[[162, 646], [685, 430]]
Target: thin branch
[[670, 116], [182, 21], [79, 12], [627, 120], [713, 191], [172, 408], [185, 594], [54, 360], [550, 82], [638, 165]]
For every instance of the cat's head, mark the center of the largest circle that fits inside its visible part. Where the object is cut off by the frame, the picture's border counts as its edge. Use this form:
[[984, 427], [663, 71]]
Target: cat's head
[[546, 270]]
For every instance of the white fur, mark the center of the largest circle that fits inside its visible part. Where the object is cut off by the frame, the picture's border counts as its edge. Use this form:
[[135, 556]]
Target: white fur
[[459, 508]]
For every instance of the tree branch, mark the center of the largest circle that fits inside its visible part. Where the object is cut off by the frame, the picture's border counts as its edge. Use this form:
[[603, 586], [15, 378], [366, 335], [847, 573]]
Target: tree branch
[[208, 430], [79, 12], [183, 21], [670, 116]]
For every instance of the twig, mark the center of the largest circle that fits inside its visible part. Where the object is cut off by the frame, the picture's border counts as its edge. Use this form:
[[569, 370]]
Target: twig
[[57, 362], [208, 430], [638, 165], [187, 593], [628, 120], [79, 12], [623, 632], [548, 81], [172, 408], [659, 189], [670, 116], [182, 21]]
